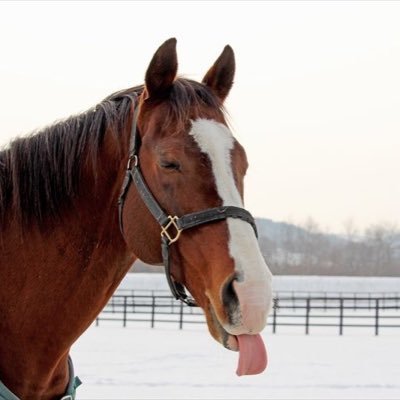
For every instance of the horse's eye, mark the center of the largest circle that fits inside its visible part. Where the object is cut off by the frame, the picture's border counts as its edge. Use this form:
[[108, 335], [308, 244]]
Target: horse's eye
[[171, 165]]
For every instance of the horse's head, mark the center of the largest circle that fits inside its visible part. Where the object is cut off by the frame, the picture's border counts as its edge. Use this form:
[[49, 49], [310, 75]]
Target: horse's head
[[191, 162]]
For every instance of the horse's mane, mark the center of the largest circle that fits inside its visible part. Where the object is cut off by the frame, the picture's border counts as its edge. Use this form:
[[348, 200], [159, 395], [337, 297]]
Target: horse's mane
[[40, 173]]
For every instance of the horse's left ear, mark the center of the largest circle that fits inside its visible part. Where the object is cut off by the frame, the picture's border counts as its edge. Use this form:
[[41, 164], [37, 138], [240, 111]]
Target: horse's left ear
[[162, 69], [219, 77]]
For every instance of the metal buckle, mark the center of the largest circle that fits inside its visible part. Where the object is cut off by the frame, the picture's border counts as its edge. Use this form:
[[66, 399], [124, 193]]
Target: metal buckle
[[164, 230], [132, 161]]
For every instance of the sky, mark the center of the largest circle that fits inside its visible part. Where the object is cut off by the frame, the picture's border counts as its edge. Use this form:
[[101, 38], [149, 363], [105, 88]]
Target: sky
[[315, 102]]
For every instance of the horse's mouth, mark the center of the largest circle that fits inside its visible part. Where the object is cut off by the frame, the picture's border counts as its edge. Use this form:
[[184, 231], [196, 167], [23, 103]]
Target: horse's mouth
[[228, 340], [252, 353]]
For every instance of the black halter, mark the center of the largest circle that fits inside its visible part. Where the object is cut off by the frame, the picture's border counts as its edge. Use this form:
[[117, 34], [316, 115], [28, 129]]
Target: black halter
[[171, 226]]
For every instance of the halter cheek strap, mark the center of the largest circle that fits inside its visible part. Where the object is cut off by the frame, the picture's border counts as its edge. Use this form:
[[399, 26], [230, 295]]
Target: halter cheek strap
[[171, 226]]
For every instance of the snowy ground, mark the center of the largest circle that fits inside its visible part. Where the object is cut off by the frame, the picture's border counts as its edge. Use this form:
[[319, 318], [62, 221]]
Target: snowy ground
[[165, 363]]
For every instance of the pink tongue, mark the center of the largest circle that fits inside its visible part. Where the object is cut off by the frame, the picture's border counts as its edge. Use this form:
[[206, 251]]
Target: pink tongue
[[252, 355]]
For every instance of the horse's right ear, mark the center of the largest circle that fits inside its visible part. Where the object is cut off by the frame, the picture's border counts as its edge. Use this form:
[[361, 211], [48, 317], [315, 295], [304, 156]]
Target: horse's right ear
[[162, 69]]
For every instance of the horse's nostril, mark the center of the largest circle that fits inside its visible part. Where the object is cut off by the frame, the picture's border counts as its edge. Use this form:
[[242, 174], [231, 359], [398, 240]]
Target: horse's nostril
[[229, 296]]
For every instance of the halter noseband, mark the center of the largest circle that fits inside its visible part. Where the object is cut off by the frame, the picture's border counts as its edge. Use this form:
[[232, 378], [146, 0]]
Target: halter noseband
[[171, 226]]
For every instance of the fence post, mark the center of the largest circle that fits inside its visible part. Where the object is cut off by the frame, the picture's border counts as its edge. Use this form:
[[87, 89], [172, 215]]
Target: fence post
[[181, 316], [276, 305], [376, 317], [153, 309], [307, 315], [341, 317], [124, 312]]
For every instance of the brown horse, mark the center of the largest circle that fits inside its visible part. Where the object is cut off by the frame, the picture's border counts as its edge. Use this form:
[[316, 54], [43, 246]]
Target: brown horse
[[64, 252]]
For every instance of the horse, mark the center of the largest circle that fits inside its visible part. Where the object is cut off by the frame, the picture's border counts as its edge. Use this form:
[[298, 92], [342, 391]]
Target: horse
[[153, 173]]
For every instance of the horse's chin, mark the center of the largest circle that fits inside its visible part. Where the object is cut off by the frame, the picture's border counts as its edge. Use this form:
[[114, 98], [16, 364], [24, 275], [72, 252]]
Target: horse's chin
[[219, 333]]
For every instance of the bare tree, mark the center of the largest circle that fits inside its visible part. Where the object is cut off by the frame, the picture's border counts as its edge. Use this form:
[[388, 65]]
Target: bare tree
[[381, 240]]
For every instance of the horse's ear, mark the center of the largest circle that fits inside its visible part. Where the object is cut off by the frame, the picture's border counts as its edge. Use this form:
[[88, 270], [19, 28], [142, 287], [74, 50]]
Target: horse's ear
[[219, 77], [162, 69]]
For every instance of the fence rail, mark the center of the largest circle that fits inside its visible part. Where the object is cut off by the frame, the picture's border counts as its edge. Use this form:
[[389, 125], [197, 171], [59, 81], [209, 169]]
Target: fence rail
[[308, 312]]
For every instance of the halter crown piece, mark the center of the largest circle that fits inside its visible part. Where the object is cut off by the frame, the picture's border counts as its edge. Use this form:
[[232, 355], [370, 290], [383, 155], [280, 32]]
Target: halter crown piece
[[171, 226]]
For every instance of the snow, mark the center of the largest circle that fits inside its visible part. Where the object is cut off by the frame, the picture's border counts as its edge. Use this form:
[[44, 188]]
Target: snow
[[167, 363]]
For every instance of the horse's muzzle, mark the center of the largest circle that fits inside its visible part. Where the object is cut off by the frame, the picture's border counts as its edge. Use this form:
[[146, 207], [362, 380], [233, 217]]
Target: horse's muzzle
[[247, 304]]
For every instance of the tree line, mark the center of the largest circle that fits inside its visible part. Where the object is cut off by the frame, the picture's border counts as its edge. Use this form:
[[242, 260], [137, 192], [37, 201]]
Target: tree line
[[307, 250]]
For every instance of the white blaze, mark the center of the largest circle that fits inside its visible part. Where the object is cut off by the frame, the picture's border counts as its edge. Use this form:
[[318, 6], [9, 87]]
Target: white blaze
[[254, 287]]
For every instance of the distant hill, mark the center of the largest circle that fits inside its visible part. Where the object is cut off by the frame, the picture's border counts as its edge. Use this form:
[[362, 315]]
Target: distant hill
[[290, 249]]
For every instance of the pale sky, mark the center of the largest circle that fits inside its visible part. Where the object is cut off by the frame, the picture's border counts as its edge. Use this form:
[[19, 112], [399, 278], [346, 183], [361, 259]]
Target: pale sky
[[315, 103]]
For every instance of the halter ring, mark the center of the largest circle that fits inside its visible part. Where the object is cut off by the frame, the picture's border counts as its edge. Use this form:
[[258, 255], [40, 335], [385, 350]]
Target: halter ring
[[164, 229]]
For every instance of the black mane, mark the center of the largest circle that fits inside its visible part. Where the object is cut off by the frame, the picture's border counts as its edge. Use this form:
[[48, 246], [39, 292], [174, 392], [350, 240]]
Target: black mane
[[41, 172]]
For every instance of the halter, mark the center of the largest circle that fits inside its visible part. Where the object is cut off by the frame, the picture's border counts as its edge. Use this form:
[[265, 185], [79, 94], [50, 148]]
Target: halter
[[171, 226], [70, 393]]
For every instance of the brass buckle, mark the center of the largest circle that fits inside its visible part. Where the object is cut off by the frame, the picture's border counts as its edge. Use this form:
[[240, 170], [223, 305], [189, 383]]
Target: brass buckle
[[164, 230], [133, 161]]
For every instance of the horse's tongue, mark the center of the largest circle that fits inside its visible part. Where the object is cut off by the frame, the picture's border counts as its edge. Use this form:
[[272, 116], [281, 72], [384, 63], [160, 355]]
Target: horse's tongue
[[252, 355]]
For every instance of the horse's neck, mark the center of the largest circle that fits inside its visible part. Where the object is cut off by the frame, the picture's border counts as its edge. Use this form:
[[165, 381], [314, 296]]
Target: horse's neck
[[57, 282]]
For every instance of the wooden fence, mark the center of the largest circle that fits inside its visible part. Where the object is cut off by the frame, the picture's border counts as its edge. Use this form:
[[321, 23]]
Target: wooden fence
[[308, 313], [338, 312]]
